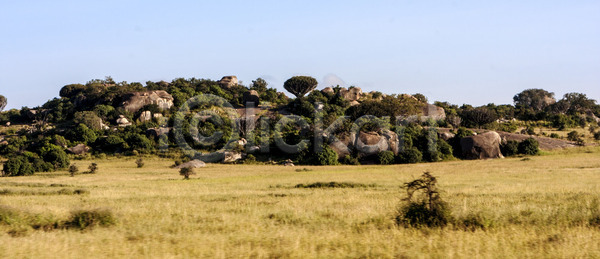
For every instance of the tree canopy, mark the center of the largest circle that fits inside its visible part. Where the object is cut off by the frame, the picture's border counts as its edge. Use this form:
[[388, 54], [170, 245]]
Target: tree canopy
[[300, 85]]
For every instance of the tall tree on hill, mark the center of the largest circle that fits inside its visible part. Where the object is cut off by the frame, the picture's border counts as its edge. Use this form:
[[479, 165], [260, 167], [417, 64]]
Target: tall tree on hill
[[300, 85], [534, 99]]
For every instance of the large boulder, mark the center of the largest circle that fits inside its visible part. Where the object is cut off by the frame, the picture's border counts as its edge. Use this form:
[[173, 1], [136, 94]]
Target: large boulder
[[370, 143], [483, 146], [431, 111], [123, 122], [251, 96], [327, 90], [192, 164], [352, 94], [228, 81], [80, 149], [135, 101], [145, 116]]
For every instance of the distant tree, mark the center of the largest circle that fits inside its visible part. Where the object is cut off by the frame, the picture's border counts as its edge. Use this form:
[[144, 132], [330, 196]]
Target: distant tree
[[3, 102], [89, 119], [300, 85], [477, 117], [93, 168], [139, 163], [186, 172], [73, 169], [259, 85], [535, 99], [578, 103]]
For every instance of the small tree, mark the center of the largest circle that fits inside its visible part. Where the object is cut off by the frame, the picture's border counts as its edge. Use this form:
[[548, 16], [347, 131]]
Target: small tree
[[424, 206], [139, 163], [93, 168], [73, 169], [3, 102], [327, 156], [300, 85], [186, 172]]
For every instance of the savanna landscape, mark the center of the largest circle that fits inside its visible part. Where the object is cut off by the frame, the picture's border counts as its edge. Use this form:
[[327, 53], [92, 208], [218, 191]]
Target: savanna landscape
[[299, 129]]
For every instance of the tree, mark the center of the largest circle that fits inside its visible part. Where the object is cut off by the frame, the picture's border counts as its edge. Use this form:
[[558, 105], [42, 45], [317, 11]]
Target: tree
[[139, 163], [535, 99], [300, 85], [186, 172], [3, 102], [327, 156], [89, 119], [93, 168], [73, 169], [18, 166], [259, 85], [477, 117]]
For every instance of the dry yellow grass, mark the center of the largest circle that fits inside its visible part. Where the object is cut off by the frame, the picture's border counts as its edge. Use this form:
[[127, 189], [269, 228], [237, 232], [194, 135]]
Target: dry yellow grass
[[540, 208]]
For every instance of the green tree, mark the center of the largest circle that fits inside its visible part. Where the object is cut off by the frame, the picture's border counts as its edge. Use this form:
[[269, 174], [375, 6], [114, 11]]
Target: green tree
[[529, 146], [18, 166], [386, 157], [300, 85], [327, 156], [89, 119], [535, 99], [3, 102]]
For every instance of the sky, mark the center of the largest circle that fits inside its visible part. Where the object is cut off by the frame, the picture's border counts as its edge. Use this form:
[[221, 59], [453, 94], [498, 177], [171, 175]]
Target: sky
[[473, 52]]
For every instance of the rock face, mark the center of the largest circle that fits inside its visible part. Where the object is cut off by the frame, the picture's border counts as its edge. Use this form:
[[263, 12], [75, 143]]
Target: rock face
[[228, 81], [145, 116], [192, 164], [230, 157], [135, 101], [434, 112], [446, 135], [251, 96], [328, 90], [483, 146], [79, 149], [352, 94]]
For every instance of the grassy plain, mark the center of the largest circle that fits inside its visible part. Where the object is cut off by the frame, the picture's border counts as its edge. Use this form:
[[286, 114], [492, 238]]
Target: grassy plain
[[536, 207]]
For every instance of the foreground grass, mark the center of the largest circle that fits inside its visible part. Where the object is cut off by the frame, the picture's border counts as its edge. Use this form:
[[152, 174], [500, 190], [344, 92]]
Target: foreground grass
[[539, 207]]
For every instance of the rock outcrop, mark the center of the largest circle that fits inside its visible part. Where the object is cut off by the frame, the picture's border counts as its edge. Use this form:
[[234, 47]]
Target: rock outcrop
[[135, 101], [192, 164], [431, 111], [327, 90], [483, 146], [79, 149], [365, 143], [123, 122], [352, 94], [251, 96], [228, 81], [145, 116]]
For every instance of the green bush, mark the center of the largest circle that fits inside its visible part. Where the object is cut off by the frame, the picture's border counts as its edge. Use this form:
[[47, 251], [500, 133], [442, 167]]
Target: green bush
[[56, 156], [410, 156], [554, 135], [186, 172], [73, 169], [573, 136], [386, 157], [423, 205], [529, 146], [18, 166], [85, 219], [597, 135], [327, 156], [350, 160], [510, 148]]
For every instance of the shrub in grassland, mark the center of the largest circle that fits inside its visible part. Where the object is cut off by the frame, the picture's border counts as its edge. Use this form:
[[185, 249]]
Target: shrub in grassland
[[423, 205], [84, 219], [510, 148], [529, 146], [18, 166], [410, 156], [327, 156]]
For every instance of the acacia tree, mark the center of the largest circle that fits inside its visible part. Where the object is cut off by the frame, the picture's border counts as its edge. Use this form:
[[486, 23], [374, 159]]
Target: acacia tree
[[300, 85], [2, 102]]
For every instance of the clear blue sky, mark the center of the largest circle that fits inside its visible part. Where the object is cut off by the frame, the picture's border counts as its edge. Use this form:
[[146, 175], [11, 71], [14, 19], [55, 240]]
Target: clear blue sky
[[468, 51]]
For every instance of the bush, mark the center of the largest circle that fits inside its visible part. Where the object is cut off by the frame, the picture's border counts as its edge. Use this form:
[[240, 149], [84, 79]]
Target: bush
[[327, 156], [510, 148], [186, 172], [597, 135], [350, 160], [139, 163], [73, 169], [93, 168], [386, 157], [18, 166], [84, 219], [410, 156], [554, 135], [424, 206], [529, 146], [573, 136], [56, 156]]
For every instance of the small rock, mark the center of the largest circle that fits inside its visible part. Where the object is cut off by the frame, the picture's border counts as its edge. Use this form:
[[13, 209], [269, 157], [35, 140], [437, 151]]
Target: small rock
[[192, 164]]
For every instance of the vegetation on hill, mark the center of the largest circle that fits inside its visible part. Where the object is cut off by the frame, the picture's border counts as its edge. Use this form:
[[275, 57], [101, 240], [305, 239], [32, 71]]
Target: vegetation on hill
[[96, 114]]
